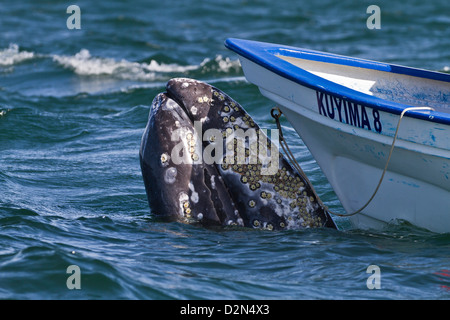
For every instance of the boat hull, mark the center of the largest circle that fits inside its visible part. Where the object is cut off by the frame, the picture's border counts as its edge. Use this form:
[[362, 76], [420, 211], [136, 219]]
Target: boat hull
[[351, 141]]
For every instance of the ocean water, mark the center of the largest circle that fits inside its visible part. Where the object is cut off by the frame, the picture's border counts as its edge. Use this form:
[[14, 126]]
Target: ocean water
[[73, 107]]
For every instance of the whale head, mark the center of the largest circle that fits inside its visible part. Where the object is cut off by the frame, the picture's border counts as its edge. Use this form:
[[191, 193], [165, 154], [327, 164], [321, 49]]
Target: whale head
[[205, 160]]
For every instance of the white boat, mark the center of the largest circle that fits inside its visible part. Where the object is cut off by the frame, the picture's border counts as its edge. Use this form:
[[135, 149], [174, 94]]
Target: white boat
[[347, 110]]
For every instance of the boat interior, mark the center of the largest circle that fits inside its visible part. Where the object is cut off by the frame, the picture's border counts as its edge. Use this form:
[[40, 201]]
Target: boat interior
[[395, 87]]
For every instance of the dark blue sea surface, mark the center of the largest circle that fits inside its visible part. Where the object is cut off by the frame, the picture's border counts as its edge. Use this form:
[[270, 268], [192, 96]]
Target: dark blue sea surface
[[73, 107]]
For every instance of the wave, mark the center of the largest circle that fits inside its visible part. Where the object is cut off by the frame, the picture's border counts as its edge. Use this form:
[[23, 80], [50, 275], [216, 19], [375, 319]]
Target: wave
[[220, 65], [83, 63], [99, 74], [162, 84], [12, 55]]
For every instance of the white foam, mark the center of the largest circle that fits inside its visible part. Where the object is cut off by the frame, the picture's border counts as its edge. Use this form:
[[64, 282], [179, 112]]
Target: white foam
[[167, 68], [220, 64], [225, 64], [83, 63], [12, 55]]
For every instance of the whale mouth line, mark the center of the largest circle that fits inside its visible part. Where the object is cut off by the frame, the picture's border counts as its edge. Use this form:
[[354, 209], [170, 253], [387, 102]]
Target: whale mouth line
[[215, 197]]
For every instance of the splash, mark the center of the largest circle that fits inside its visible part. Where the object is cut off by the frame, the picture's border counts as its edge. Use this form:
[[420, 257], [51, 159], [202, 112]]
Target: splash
[[83, 63], [11, 55], [220, 65]]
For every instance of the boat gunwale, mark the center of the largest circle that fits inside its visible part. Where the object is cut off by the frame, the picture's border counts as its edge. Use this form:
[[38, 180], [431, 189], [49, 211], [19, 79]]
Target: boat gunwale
[[265, 55]]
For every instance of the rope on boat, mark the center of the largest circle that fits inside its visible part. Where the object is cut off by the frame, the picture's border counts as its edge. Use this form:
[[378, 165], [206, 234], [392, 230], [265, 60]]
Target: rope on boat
[[291, 157]]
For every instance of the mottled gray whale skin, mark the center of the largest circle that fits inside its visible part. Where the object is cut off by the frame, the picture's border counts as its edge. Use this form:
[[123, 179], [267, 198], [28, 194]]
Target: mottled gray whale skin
[[197, 168]]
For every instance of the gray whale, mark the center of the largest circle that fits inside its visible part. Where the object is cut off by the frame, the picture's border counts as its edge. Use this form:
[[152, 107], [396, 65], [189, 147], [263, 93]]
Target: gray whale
[[204, 160]]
